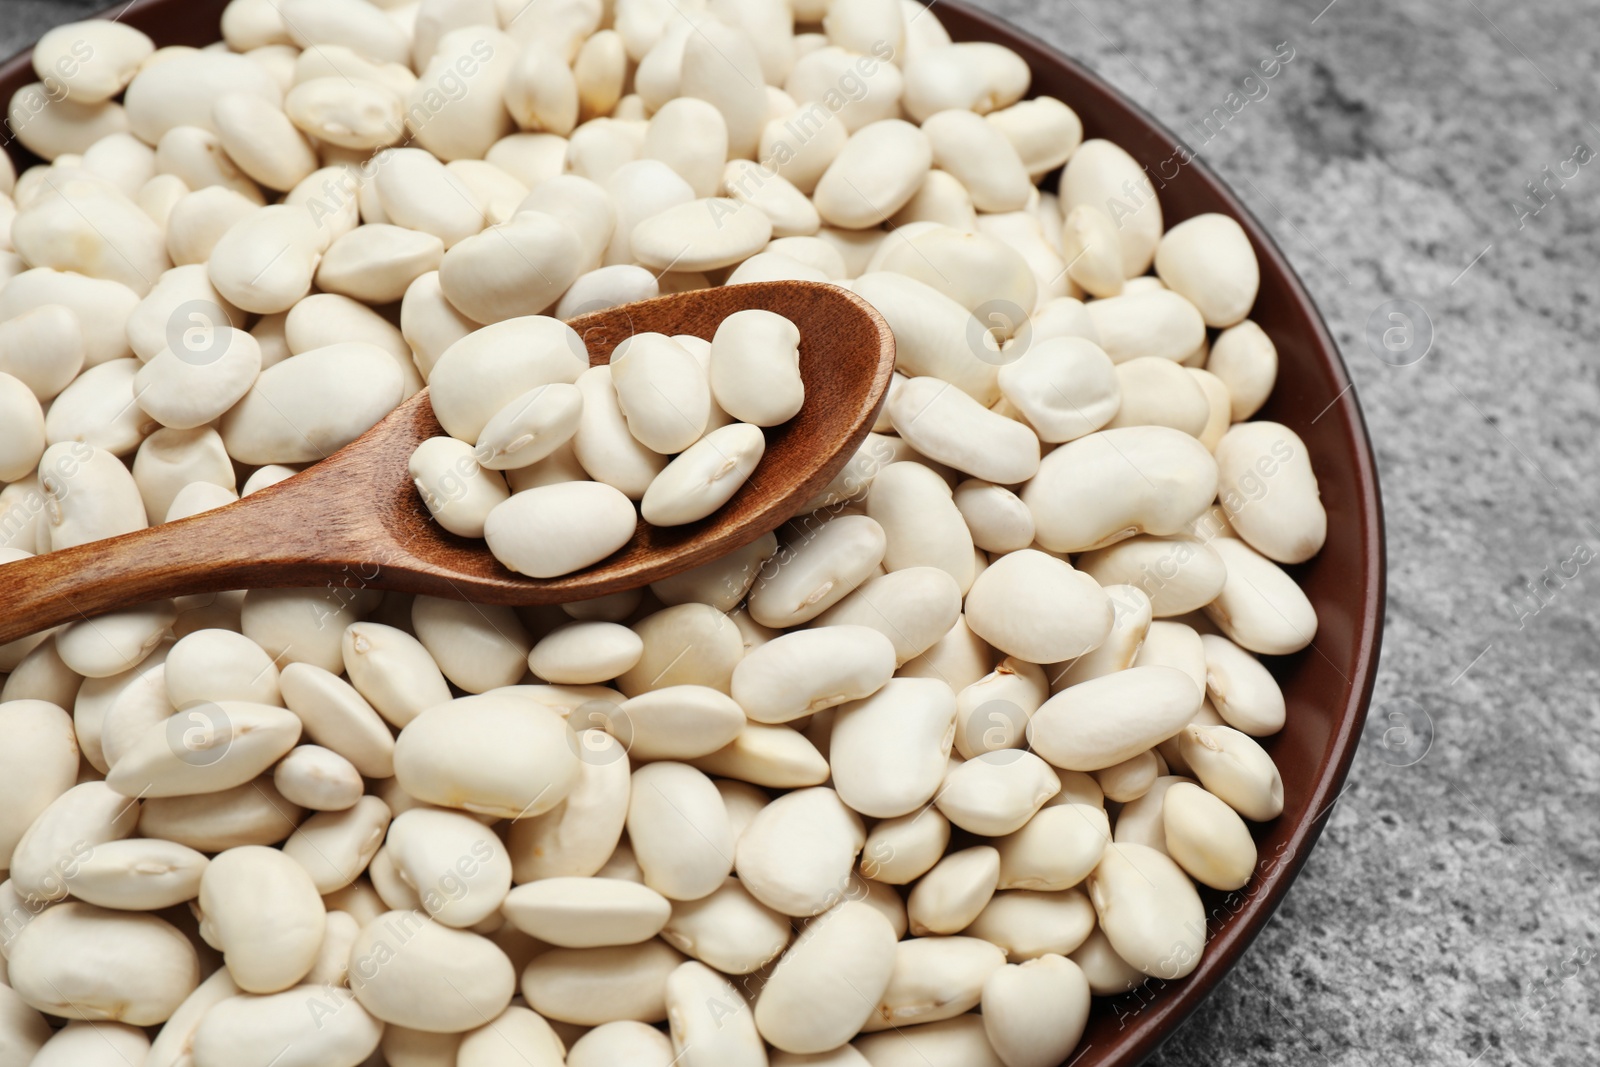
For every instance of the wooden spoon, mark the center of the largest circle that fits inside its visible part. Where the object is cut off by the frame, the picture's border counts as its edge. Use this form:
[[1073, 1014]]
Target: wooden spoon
[[354, 520]]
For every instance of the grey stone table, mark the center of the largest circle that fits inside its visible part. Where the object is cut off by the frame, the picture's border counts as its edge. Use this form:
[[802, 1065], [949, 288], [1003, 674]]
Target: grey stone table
[[1448, 915]]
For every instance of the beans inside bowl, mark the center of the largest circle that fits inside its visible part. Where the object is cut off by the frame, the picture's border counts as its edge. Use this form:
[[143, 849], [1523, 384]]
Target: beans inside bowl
[[973, 740]]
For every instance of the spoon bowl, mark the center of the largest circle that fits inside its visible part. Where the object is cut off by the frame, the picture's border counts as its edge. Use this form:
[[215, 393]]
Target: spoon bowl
[[354, 520]]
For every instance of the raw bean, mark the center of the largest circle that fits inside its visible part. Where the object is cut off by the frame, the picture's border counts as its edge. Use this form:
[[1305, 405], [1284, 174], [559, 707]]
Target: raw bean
[[404, 1047], [1027, 924], [490, 755], [1108, 486], [518, 268], [1174, 644], [704, 476], [996, 793], [1207, 838], [1130, 624], [903, 849], [973, 269], [24, 443], [143, 874], [169, 460], [1034, 1013], [196, 225], [1260, 607], [992, 713], [1156, 325], [558, 529], [949, 896], [260, 139], [1149, 910], [470, 379], [607, 287], [196, 385], [774, 756], [940, 198], [981, 157], [691, 137], [1233, 767], [607, 451], [78, 961], [98, 410], [825, 988], [407, 970], [1109, 975], [51, 129], [377, 263], [816, 571], [730, 930], [518, 1035], [337, 716], [948, 426], [913, 607], [958, 1042], [587, 912], [710, 1022], [1241, 689], [459, 493], [583, 653], [336, 846], [301, 625], [477, 647], [1106, 177], [43, 348], [921, 523], [755, 368], [796, 855], [889, 751], [1139, 822], [1102, 722], [689, 644], [37, 765], [318, 778], [1043, 131], [1038, 608], [577, 836], [874, 174], [335, 1032], [935, 978], [1056, 849], [86, 1044], [623, 1041], [960, 657], [1208, 259], [90, 62], [116, 642], [250, 814], [531, 427], [393, 670], [266, 261], [1159, 392], [931, 333], [1131, 779], [676, 722], [263, 913], [679, 827], [197, 157], [1178, 573], [459, 869], [205, 748], [594, 986], [791, 213], [701, 235], [1264, 474], [1246, 360], [996, 517], [803, 672]]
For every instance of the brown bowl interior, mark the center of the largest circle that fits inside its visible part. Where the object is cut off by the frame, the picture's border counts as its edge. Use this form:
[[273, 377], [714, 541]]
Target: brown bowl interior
[[1327, 687]]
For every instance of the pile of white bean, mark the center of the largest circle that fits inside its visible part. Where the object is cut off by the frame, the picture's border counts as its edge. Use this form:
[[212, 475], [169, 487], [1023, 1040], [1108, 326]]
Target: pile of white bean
[[674, 422], [903, 784]]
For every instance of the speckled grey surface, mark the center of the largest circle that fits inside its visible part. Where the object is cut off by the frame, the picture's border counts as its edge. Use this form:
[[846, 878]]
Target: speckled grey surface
[[1448, 915]]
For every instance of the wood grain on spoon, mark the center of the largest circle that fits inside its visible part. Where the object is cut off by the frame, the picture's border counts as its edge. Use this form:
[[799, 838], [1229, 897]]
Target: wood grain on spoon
[[355, 520]]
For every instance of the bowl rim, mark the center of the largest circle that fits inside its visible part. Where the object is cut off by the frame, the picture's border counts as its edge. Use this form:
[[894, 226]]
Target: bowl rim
[[1164, 1013]]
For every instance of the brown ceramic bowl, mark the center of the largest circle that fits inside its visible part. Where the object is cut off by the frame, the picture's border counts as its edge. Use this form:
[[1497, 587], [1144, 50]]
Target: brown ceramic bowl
[[1327, 686]]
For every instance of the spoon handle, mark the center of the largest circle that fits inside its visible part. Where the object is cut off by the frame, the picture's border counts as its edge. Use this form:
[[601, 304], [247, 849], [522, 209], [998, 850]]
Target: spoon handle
[[263, 540]]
